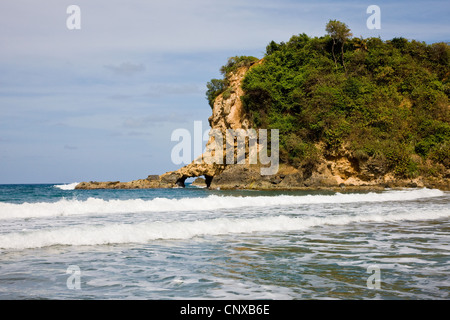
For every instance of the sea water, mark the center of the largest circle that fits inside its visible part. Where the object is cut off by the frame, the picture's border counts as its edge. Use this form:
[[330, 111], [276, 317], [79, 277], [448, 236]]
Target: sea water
[[194, 243]]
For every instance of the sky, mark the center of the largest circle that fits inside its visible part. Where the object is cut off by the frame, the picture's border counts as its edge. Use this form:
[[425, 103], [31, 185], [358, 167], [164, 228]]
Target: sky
[[100, 103]]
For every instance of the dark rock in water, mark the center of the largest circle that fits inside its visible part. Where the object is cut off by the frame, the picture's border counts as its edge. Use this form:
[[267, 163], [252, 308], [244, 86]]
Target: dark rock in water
[[199, 182], [180, 183], [171, 179]]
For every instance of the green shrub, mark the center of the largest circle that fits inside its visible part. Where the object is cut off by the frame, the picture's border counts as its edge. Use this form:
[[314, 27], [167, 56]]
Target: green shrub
[[400, 161], [237, 62], [441, 154], [215, 87], [227, 93], [382, 99]]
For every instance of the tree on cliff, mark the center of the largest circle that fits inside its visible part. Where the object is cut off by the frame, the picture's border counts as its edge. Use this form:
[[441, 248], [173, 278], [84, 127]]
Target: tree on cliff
[[339, 33], [214, 88]]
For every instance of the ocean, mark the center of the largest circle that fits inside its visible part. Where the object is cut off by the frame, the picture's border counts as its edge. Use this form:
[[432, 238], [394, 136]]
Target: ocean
[[194, 243]]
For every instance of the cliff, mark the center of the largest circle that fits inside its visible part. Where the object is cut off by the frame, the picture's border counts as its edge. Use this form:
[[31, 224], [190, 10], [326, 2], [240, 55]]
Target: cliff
[[381, 119], [335, 172]]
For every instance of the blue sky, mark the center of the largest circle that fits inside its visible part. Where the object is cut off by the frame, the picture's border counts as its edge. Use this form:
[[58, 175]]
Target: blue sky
[[100, 103]]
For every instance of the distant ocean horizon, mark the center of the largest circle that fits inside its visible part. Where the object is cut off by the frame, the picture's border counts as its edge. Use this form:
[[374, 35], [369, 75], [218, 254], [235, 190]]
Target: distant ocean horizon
[[194, 243]]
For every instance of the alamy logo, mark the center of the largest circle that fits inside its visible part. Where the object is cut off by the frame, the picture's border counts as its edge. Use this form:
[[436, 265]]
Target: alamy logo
[[374, 21], [234, 142], [74, 280], [374, 281], [73, 22]]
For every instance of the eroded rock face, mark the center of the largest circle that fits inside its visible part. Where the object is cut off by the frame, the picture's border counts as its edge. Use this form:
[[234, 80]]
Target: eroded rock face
[[335, 171], [227, 113]]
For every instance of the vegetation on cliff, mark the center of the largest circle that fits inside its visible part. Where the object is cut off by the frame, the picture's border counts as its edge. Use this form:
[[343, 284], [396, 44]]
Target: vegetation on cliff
[[366, 99], [218, 86]]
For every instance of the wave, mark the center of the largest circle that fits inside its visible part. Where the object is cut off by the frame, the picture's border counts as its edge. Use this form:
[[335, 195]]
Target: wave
[[65, 207], [199, 187], [69, 186], [179, 230]]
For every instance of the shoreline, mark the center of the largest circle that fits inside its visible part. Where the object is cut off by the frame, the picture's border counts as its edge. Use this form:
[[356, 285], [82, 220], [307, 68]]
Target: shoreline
[[345, 188], [287, 179]]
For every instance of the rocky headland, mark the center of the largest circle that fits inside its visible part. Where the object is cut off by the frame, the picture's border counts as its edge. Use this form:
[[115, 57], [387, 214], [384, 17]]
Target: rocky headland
[[340, 172], [337, 168]]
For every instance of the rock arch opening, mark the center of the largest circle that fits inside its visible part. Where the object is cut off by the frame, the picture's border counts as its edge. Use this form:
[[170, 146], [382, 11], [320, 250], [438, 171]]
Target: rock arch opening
[[181, 181]]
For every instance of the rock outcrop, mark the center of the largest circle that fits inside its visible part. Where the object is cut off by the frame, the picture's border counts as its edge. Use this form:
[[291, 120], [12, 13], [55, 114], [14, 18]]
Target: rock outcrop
[[152, 181], [333, 172], [227, 113]]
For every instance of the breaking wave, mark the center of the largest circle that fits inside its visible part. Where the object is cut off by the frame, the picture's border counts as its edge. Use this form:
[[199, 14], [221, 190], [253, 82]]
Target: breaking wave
[[150, 231], [69, 207], [69, 186]]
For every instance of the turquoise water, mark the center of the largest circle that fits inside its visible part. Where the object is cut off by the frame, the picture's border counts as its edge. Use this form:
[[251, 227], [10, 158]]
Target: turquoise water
[[192, 243]]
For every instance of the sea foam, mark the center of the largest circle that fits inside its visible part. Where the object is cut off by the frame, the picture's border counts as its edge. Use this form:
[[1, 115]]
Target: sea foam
[[69, 186], [179, 230], [96, 206]]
